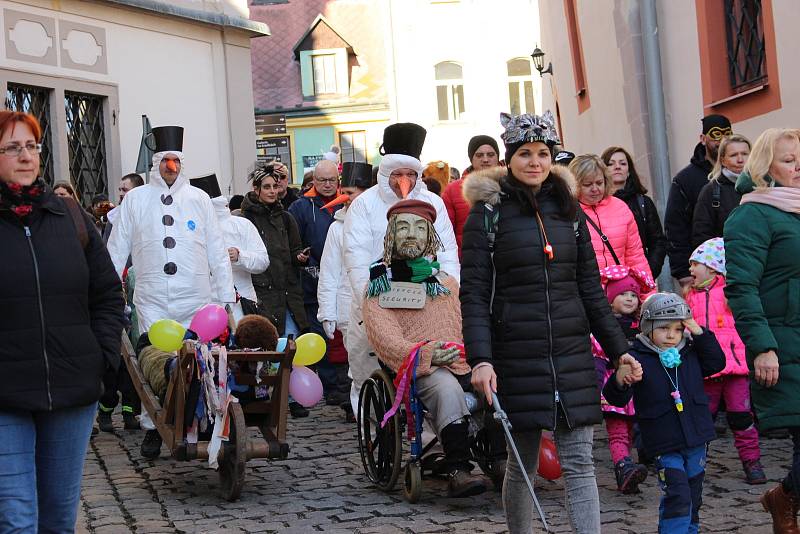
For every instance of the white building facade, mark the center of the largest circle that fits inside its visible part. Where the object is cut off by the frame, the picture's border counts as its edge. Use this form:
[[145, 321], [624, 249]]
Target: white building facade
[[457, 64], [89, 70]]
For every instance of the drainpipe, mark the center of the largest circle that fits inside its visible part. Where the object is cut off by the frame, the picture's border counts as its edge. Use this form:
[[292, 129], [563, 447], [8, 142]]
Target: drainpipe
[[657, 120]]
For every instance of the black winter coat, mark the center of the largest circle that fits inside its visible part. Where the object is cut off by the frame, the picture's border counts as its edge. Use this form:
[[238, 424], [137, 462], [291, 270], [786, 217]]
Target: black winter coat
[[278, 288], [652, 235], [536, 330], [62, 311], [663, 428], [686, 186], [709, 219]]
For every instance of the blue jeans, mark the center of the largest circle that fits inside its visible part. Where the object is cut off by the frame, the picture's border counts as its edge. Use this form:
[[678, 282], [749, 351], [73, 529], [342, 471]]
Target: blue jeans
[[41, 464], [680, 475]]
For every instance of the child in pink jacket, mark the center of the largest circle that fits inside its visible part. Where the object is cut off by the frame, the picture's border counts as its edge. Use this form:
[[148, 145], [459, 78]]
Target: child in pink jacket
[[707, 301], [624, 287]]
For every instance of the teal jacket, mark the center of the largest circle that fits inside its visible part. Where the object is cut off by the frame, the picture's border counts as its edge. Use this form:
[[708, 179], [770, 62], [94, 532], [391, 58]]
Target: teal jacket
[[763, 290]]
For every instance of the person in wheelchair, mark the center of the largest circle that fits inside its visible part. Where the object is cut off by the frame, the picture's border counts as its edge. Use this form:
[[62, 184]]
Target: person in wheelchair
[[412, 317]]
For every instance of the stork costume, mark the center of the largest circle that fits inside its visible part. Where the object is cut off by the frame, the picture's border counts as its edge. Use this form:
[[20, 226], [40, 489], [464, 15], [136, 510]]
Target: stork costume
[[364, 231], [241, 234], [172, 235]]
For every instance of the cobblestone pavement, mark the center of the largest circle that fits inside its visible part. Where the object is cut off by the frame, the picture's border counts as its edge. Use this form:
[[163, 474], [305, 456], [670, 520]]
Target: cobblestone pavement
[[322, 487]]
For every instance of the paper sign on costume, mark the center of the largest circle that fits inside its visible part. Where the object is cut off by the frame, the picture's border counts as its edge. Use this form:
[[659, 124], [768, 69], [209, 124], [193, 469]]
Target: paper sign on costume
[[403, 295]]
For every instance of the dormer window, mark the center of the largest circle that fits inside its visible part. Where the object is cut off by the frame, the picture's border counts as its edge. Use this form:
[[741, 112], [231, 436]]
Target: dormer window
[[324, 61]]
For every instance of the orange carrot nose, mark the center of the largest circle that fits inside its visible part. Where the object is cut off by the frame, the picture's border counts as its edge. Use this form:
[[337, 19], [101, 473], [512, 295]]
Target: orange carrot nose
[[172, 166], [340, 199], [405, 186]]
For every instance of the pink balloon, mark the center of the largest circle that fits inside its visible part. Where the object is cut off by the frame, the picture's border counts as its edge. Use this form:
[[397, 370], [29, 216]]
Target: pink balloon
[[305, 386], [209, 322]]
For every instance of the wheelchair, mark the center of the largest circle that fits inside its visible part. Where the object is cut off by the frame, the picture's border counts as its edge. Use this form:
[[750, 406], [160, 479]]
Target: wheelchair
[[381, 449]]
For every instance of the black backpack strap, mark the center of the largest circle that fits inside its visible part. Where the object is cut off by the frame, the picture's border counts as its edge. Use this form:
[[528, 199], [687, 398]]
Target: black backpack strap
[[76, 214], [604, 238], [716, 195]]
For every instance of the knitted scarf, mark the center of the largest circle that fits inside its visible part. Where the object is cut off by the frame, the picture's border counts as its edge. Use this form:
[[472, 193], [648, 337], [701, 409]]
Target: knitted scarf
[[380, 282], [783, 198], [21, 199]]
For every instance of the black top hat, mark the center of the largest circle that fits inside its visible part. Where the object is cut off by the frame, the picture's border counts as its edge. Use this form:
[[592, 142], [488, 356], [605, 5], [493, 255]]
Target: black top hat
[[166, 139], [356, 174], [403, 138], [209, 184]]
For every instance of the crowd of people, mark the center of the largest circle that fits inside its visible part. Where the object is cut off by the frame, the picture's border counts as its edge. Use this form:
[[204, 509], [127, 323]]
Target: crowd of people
[[532, 277]]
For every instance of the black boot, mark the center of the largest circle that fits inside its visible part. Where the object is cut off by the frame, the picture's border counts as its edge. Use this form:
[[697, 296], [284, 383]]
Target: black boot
[[629, 475], [151, 444], [456, 452], [104, 420]]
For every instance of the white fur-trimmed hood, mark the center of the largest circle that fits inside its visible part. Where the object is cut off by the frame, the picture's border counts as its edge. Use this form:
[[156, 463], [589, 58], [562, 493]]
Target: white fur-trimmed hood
[[484, 186]]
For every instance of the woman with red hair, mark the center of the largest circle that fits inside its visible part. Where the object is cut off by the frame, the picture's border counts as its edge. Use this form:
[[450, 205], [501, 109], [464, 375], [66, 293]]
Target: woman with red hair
[[61, 309]]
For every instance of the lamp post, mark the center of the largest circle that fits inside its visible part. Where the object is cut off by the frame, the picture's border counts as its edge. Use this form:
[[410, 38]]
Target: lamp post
[[538, 62]]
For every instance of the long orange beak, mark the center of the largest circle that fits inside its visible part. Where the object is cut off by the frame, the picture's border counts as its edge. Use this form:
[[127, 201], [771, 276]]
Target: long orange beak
[[405, 186], [341, 198], [172, 166]]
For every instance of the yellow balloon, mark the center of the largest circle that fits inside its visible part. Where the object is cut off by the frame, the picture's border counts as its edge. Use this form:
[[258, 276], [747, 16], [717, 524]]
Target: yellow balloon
[[167, 335], [310, 349]]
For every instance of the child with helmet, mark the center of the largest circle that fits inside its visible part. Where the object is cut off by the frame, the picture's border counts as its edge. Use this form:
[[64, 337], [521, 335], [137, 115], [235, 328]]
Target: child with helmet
[[707, 298], [671, 404]]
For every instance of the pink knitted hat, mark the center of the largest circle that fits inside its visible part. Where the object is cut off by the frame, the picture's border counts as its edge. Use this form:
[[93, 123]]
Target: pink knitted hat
[[617, 287]]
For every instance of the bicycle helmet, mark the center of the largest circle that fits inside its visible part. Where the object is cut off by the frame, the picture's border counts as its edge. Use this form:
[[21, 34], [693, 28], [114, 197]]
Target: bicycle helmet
[[662, 308]]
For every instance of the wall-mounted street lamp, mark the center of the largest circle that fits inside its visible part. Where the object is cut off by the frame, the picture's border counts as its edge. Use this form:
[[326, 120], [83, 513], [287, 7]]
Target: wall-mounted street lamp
[[538, 62]]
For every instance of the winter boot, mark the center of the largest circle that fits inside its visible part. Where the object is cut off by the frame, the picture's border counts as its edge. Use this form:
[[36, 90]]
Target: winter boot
[[754, 472], [782, 505], [151, 444], [297, 410], [629, 475], [131, 423], [461, 482], [104, 420]]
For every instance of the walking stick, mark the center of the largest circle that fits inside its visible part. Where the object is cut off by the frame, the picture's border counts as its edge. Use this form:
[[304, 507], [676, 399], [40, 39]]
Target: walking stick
[[500, 415]]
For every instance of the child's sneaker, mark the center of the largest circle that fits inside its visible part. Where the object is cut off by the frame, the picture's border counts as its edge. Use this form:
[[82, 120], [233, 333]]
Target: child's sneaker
[[629, 475], [754, 472]]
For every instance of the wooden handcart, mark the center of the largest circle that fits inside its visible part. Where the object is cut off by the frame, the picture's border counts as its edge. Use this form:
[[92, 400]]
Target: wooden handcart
[[269, 416]]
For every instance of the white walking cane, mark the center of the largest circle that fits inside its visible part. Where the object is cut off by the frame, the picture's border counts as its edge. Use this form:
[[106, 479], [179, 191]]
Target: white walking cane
[[500, 415]]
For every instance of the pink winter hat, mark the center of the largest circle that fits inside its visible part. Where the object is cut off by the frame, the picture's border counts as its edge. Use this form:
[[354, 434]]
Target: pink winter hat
[[711, 254], [621, 278], [618, 287]]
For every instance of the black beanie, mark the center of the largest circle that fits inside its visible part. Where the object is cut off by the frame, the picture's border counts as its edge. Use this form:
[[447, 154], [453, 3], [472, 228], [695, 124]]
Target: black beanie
[[710, 122], [478, 141]]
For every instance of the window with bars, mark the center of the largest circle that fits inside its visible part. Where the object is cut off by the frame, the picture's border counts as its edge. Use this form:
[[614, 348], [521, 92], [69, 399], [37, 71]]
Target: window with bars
[[36, 101], [86, 144], [449, 90], [520, 86], [354, 146], [745, 42]]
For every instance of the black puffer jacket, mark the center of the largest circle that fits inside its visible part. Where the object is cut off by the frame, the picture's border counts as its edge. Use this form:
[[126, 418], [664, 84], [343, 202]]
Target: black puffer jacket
[[651, 233], [536, 333], [686, 186], [278, 288], [61, 314], [709, 217]]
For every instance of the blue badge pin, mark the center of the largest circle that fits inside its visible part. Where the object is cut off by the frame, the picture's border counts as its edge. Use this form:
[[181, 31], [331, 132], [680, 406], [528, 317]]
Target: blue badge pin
[[191, 225]]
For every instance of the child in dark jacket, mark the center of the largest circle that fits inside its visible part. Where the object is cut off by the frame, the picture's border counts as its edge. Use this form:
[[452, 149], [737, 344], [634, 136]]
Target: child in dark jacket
[[671, 405], [624, 288]]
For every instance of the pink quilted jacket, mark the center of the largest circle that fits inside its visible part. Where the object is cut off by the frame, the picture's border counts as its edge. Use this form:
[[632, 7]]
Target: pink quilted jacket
[[710, 310], [615, 220], [457, 209]]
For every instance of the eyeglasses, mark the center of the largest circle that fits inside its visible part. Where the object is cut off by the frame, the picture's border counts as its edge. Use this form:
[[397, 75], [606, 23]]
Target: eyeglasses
[[326, 180], [13, 151]]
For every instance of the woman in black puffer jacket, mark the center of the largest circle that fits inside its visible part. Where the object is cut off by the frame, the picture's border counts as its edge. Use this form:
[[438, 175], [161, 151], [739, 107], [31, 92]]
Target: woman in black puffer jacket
[[528, 310], [719, 197], [60, 329], [628, 188]]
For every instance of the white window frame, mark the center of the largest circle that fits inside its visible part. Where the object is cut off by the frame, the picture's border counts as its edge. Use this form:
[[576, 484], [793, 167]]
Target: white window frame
[[453, 111], [341, 69], [521, 87]]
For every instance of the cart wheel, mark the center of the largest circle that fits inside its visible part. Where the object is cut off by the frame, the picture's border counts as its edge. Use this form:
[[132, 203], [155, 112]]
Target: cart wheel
[[412, 486], [380, 448], [231, 466]]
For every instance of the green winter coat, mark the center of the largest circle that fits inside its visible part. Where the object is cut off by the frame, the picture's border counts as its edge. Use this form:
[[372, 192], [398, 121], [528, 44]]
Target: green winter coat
[[762, 244]]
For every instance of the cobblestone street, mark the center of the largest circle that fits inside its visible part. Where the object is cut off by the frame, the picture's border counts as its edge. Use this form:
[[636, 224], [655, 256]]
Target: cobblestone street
[[322, 487]]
